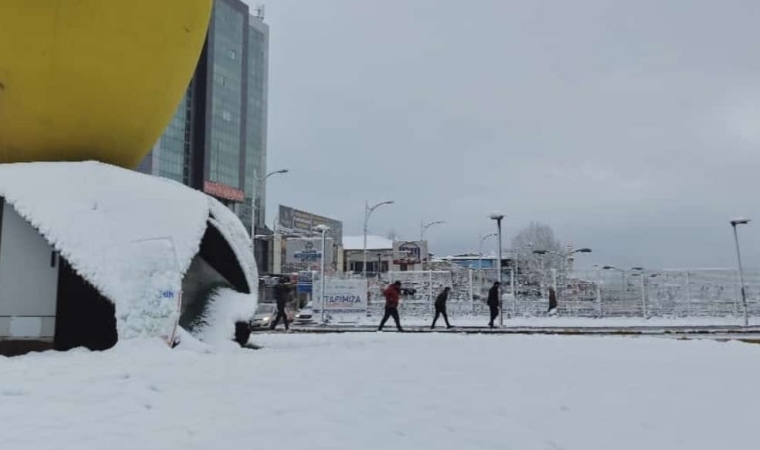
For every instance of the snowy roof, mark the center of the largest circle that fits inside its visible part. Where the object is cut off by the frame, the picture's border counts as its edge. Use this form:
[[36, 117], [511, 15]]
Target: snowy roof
[[115, 226], [373, 243]]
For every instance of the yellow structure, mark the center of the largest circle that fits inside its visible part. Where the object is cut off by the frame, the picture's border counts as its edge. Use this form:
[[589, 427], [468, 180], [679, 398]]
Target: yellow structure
[[94, 79]]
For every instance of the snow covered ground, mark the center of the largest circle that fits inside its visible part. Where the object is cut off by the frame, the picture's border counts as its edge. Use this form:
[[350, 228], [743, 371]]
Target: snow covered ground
[[543, 322], [387, 390]]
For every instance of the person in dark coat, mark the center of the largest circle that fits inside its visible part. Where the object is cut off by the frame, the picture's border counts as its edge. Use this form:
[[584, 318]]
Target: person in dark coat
[[440, 307], [392, 295], [281, 296], [493, 302], [552, 301]]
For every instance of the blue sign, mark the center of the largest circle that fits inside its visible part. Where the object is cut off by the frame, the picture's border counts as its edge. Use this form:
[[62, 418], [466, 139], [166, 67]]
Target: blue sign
[[308, 255], [305, 283]]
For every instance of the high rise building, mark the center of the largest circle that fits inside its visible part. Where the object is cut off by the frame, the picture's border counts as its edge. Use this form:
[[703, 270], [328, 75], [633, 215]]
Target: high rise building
[[217, 140]]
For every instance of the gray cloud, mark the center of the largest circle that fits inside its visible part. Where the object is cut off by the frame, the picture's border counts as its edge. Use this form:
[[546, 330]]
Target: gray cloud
[[630, 127]]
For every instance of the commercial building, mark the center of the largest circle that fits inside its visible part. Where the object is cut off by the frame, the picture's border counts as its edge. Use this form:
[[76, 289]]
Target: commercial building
[[384, 255], [217, 140], [379, 253], [300, 245]]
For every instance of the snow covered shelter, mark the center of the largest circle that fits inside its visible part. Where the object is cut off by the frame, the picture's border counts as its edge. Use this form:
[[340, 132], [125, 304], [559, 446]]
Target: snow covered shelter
[[87, 250]]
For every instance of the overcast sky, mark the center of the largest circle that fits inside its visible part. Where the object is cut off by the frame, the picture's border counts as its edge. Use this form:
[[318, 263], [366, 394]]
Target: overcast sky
[[631, 127]]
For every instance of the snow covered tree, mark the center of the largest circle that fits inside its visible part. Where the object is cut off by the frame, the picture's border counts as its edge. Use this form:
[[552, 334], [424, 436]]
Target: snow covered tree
[[535, 268]]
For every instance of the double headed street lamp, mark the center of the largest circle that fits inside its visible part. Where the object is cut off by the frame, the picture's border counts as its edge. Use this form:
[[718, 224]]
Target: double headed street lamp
[[367, 212], [498, 217], [322, 229], [734, 223]]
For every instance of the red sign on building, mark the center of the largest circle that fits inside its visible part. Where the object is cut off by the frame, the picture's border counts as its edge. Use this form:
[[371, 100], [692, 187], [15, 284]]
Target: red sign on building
[[223, 191]]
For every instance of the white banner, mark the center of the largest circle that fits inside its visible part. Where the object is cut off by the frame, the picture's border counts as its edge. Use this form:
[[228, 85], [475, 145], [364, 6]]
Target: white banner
[[342, 295]]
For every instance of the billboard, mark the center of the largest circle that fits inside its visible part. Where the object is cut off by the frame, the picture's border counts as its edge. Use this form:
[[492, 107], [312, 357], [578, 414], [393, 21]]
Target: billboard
[[410, 252], [308, 250], [342, 295], [302, 222]]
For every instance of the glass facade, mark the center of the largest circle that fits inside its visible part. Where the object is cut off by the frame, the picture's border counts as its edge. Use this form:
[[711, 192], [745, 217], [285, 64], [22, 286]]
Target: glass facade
[[218, 133], [227, 76], [256, 119], [173, 150]]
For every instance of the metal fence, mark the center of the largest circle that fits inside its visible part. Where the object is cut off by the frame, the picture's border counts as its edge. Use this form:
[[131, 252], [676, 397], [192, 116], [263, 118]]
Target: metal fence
[[594, 293]]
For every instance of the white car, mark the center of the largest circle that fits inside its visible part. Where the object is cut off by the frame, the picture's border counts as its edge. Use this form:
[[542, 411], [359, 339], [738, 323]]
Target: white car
[[305, 315], [265, 315]]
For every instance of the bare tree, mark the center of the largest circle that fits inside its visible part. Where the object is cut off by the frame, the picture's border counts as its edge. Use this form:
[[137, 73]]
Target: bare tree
[[392, 235], [533, 267]]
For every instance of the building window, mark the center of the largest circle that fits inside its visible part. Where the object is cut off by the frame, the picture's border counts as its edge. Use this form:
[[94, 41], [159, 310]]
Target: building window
[[226, 115], [233, 55]]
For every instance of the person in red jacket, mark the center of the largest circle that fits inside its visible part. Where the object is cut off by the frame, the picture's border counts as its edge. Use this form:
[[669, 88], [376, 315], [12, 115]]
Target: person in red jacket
[[392, 294]]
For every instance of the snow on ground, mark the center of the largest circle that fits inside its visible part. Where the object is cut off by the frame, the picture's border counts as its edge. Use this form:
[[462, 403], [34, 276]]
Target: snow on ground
[[387, 390], [546, 321]]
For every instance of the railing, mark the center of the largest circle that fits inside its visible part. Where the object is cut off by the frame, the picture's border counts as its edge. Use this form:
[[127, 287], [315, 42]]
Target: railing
[[594, 293]]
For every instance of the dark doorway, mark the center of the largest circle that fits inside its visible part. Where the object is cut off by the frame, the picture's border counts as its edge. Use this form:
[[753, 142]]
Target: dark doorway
[[84, 317]]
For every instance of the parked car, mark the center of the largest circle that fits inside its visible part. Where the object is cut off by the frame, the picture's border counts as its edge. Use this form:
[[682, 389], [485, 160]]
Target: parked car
[[266, 313], [305, 315]]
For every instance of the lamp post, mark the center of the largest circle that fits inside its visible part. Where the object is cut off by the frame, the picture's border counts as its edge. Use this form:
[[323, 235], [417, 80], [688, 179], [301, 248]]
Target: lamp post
[[734, 223], [541, 253], [480, 256], [367, 212], [566, 256], [480, 249], [423, 228], [639, 271], [622, 273], [322, 229], [498, 217], [258, 183]]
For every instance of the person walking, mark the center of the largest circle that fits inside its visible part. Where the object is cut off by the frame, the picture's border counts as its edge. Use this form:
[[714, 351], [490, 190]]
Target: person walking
[[392, 295], [440, 307], [552, 302], [281, 296], [493, 302]]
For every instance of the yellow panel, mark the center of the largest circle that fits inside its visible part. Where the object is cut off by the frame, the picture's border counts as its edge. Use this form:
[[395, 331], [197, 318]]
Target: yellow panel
[[94, 79]]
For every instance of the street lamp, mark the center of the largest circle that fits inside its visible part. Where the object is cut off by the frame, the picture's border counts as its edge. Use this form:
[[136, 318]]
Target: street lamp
[[566, 256], [480, 256], [258, 183], [322, 229], [424, 226], [541, 278], [367, 212], [734, 223], [639, 271], [622, 273], [480, 249], [498, 217]]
